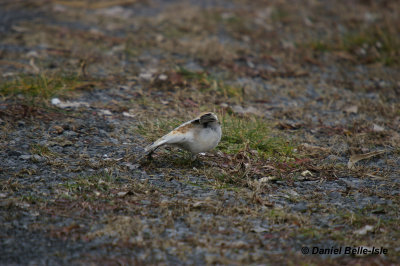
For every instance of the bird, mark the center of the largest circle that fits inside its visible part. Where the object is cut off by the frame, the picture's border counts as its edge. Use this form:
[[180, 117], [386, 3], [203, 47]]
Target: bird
[[198, 135]]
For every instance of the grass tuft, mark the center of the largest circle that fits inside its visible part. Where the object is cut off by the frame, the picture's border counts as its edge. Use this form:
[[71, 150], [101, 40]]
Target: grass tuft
[[85, 185], [370, 45], [251, 133], [42, 150], [40, 87]]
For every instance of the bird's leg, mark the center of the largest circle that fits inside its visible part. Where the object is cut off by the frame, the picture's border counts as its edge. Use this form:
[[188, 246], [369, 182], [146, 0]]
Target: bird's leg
[[196, 161], [193, 157], [149, 156]]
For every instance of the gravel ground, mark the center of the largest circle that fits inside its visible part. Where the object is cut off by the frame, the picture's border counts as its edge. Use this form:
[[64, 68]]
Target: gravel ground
[[322, 76]]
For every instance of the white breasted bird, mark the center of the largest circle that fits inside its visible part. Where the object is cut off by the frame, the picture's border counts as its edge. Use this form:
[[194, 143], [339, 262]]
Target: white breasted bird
[[198, 135]]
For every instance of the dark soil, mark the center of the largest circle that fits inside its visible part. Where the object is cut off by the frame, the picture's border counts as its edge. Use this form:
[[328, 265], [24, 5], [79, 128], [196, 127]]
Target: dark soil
[[323, 76]]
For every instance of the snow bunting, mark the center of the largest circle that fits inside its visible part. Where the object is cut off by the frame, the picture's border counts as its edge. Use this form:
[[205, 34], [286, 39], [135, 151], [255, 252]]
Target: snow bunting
[[198, 135]]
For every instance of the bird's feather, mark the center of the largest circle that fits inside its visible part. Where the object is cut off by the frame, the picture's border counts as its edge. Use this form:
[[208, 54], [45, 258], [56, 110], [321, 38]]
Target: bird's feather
[[195, 135]]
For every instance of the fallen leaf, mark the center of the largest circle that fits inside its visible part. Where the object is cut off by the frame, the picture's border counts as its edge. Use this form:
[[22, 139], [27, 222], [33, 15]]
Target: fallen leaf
[[351, 109], [345, 55], [35, 69], [288, 125], [104, 112], [376, 176], [175, 78], [306, 173], [115, 11], [57, 129], [67, 104], [267, 179], [364, 230], [259, 229], [129, 114], [358, 157], [378, 128], [248, 110], [199, 204], [132, 166], [124, 193], [239, 244]]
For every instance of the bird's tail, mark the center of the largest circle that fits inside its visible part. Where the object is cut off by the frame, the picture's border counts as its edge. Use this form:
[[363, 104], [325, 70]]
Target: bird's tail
[[152, 147], [148, 150]]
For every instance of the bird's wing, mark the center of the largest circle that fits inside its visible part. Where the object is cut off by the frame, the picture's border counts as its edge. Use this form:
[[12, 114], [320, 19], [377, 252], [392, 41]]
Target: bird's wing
[[174, 137]]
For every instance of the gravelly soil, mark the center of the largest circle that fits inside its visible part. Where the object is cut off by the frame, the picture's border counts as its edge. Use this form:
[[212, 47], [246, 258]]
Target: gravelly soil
[[72, 191]]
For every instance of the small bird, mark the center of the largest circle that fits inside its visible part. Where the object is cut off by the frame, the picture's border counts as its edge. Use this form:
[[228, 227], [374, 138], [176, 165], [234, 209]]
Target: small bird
[[198, 135]]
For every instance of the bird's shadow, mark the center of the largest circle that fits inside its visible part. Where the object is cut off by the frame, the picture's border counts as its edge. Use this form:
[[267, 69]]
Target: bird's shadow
[[171, 158]]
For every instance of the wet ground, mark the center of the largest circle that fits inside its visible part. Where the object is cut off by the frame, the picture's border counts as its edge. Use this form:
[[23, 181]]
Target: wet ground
[[322, 77]]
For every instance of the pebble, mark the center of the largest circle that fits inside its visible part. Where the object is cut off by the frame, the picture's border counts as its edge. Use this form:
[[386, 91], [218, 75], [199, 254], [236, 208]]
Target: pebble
[[38, 158], [25, 157], [300, 207]]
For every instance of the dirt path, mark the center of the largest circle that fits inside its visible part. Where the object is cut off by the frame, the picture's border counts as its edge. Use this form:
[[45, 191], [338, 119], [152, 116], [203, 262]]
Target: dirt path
[[308, 95]]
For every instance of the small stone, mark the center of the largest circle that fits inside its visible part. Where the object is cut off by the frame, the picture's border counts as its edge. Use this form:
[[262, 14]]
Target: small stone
[[69, 133], [145, 76], [132, 166], [25, 157], [55, 101], [300, 207], [162, 77], [38, 158], [104, 112], [122, 193], [259, 229]]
